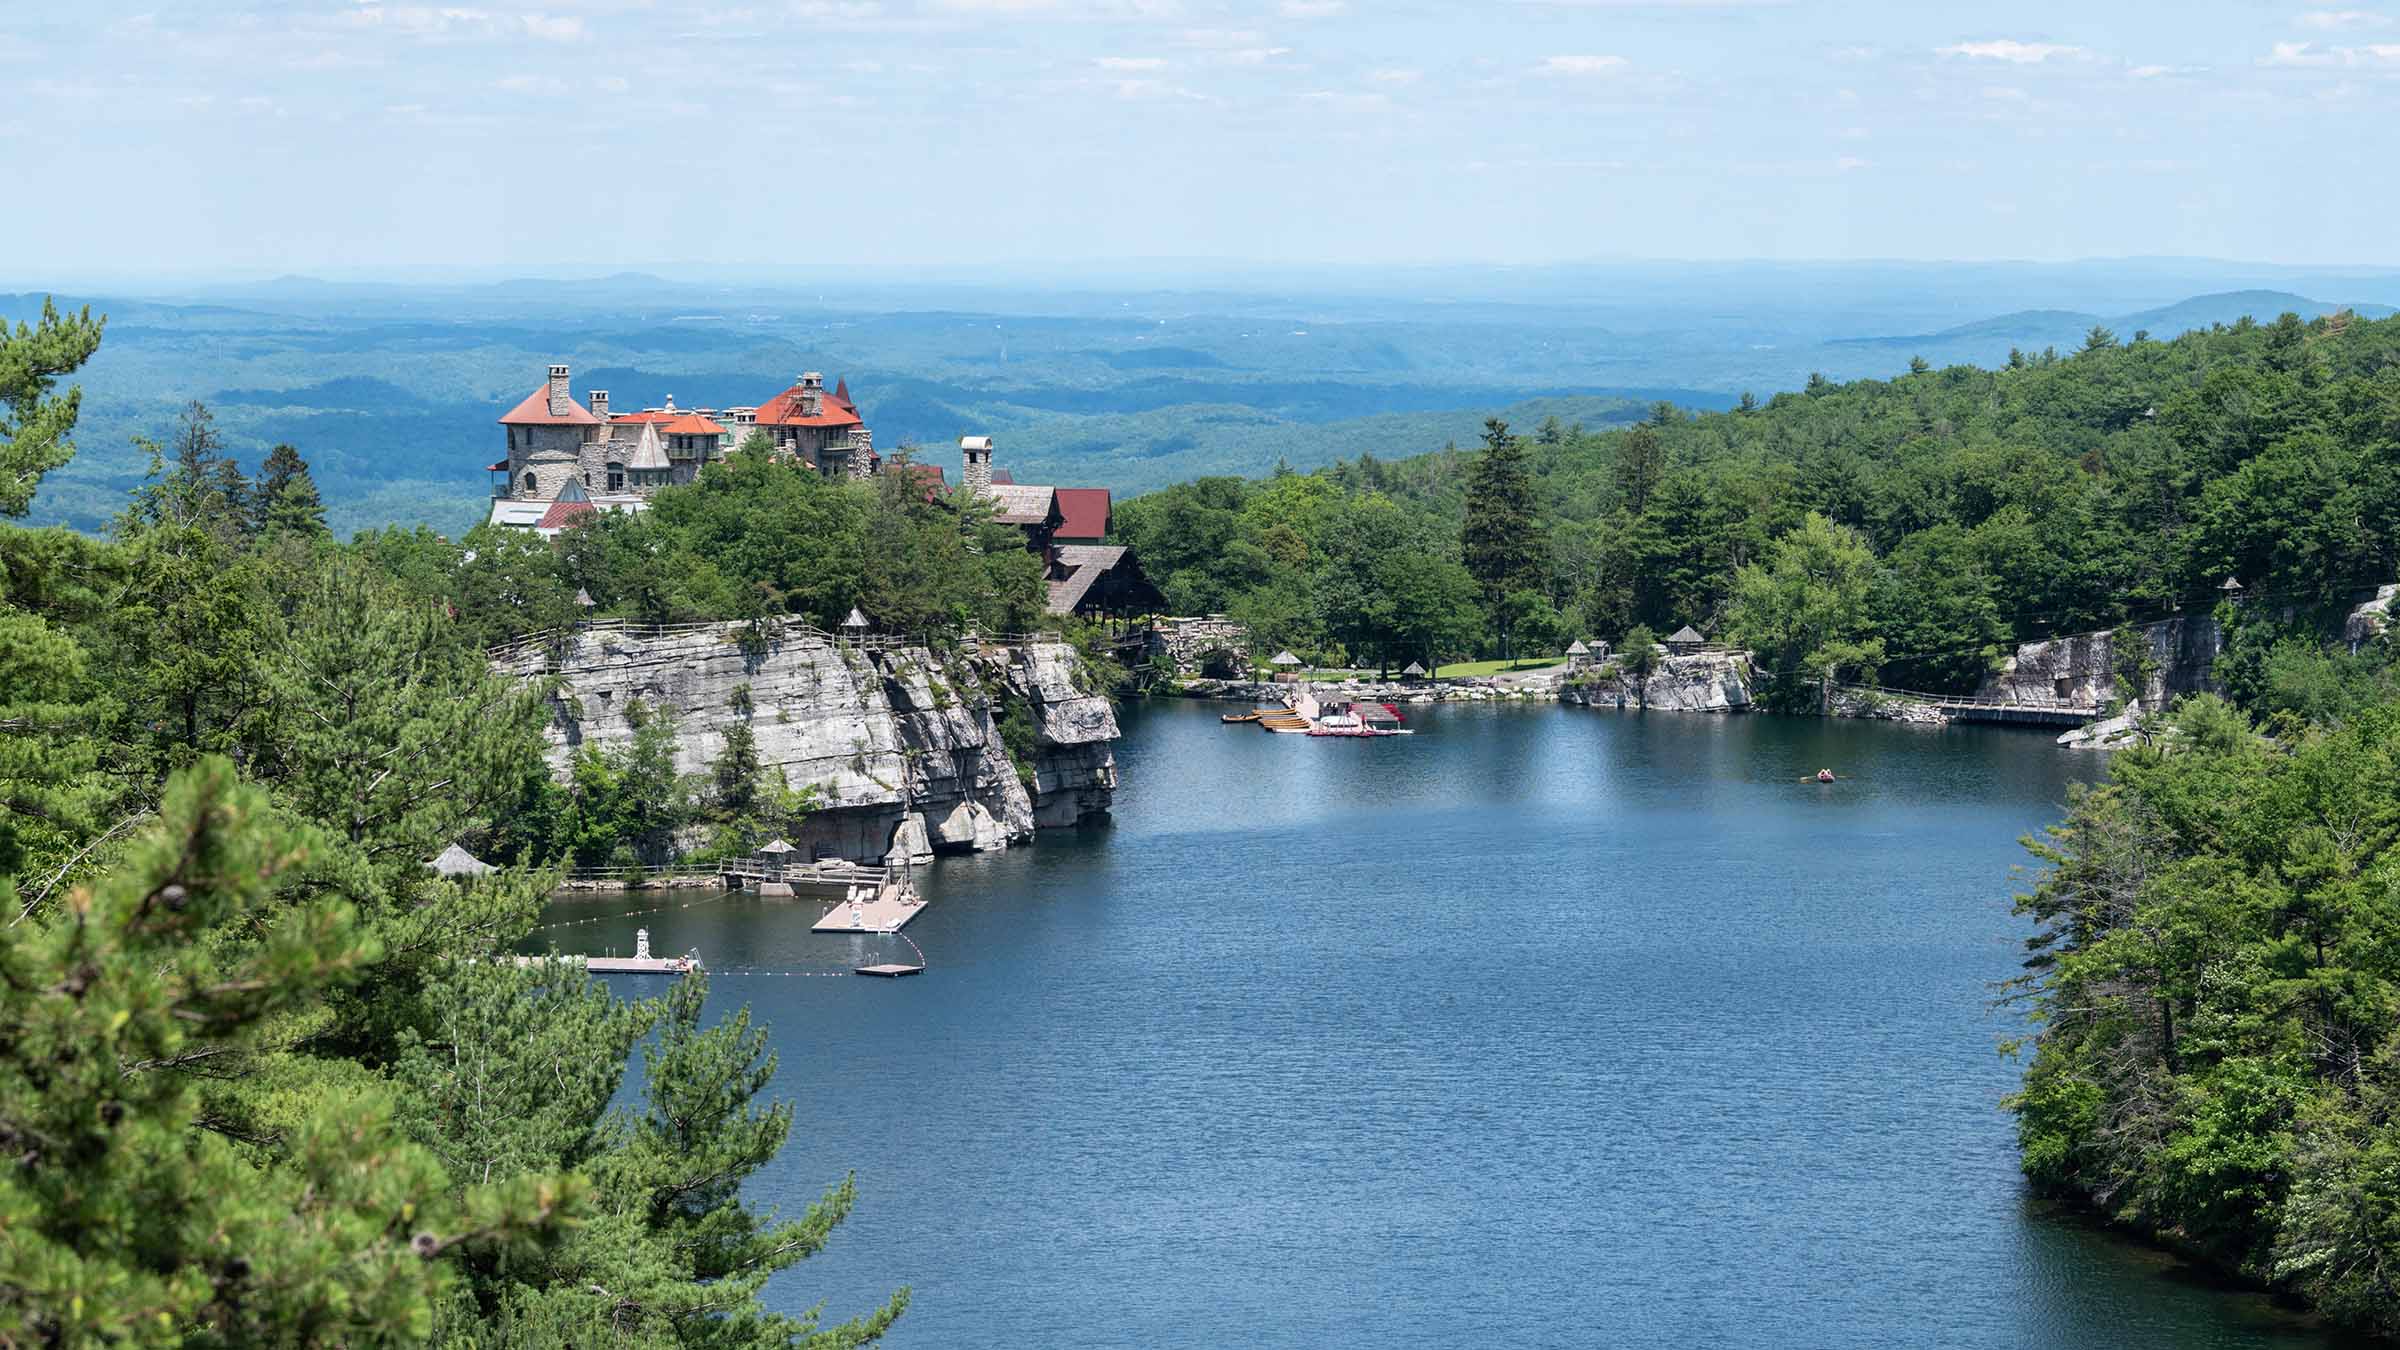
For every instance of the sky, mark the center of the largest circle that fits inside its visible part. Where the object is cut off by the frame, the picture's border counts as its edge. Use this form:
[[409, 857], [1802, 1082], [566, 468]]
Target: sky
[[279, 136]]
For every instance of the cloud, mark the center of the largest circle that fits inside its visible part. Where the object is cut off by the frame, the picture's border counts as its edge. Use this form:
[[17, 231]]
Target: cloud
[[2012, 51], [555, 27], [1852, 163], [1396, 76], [1253, 56], [1313, 9], [1580, 65], [1131, 63], [546, 85], [2374, 55], [2335, 20]]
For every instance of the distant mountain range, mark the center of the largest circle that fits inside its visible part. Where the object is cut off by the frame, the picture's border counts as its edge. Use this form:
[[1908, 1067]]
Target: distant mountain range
[[2061, 327], [389, 386]]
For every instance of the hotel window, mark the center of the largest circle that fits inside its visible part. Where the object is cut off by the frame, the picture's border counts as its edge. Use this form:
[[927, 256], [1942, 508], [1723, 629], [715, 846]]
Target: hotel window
[[616, 478]]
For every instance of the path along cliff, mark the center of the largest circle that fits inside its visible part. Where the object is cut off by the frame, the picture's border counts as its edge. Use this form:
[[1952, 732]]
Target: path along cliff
[[911, 752]]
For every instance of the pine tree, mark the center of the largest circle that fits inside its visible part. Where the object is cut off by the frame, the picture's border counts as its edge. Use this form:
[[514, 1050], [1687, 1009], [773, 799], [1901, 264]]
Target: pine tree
[[136, 1215], [34, 422], [286, 498], [1501, 538], [1641, 462]]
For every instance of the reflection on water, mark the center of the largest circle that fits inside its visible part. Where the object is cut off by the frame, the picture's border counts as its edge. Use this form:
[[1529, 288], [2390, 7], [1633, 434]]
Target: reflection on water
[[1541, 1027]]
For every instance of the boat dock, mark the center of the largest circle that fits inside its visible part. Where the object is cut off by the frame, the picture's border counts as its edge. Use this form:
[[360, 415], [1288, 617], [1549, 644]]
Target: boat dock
[[884, 909], [640, 963]]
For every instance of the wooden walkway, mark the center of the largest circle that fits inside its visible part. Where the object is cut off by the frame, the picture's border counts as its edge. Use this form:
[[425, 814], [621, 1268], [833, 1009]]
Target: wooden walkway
[[2019, 712]]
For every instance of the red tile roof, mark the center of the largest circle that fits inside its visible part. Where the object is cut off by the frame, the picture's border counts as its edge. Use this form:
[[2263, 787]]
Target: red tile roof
[[1084, 511], [637, 418], [692, 424], [535, 411], [783, 410], [562, 514]]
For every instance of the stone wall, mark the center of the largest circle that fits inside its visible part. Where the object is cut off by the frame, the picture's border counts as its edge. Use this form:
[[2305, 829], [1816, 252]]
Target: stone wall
[[1189, 642], [904, 748]]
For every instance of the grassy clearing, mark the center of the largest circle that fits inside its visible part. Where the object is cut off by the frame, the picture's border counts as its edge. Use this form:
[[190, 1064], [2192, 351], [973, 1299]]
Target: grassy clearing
[[1466, 668]]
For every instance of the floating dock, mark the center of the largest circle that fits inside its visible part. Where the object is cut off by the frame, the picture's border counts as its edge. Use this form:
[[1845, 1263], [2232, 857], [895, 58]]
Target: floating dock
[[887, 909], [891, 970], [640, 963]]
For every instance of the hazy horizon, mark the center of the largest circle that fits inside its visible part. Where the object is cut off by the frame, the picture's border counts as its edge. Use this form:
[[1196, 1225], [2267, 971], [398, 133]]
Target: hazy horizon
[[304, 136]]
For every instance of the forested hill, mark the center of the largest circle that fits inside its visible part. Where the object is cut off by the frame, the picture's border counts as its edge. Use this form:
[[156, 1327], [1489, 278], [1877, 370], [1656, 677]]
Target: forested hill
[[2059, 492]]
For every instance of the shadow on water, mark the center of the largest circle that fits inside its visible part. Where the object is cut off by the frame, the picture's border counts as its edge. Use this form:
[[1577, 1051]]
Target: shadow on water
[[1542, 1027]]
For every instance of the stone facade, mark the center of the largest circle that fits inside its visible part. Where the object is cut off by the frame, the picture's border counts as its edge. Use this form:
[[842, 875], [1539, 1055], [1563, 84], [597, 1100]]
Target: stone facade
[[904, 748]]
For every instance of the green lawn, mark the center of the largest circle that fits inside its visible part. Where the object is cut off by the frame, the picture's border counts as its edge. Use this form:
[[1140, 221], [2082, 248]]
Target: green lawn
[[1464, 668]]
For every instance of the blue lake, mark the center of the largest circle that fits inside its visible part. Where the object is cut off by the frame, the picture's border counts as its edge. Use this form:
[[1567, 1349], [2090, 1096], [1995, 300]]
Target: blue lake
[[1543, 1027]]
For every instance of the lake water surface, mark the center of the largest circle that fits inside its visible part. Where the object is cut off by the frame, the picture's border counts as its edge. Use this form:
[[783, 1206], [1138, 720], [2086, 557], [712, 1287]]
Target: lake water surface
[[1543, 1027]]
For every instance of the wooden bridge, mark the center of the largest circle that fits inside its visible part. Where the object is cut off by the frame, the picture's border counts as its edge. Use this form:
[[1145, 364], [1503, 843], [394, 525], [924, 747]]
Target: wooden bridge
[[2007, 711]]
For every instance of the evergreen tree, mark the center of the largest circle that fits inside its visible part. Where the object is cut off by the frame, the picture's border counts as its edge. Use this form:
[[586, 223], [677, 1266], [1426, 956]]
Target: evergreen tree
[[1501, 538], [286, 498], [1638, 658], [1641, 462], [136, 1216], [34, 422]]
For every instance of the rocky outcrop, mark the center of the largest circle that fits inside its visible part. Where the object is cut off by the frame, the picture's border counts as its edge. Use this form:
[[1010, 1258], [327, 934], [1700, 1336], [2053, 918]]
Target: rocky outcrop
[[1213, 646], [2369, 617], [1705, 682], [903, 748], [2081, 669]]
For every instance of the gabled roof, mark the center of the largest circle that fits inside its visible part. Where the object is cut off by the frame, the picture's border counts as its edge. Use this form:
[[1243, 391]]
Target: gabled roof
[[535, 412], [1685, 634], [692, 424], [1022, 503], [1083, 512]]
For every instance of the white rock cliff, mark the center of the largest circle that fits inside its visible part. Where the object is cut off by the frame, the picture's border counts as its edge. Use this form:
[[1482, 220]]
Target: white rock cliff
[[905, 749]]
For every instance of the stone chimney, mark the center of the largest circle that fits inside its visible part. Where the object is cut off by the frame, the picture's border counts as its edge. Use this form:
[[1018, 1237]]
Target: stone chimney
[[599, 398], [560, 399], [812, 393], [977, 452]]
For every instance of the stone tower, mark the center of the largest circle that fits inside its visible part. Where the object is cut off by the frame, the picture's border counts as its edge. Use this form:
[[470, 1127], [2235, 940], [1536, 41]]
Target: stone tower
[[560, 399], [977, 452]]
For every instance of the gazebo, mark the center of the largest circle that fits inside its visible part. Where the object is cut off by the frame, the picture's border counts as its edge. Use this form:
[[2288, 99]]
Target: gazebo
[[1686, 640], [1412, 673], [856, 623], [1579, 655], [456, 862], [1285, 663]]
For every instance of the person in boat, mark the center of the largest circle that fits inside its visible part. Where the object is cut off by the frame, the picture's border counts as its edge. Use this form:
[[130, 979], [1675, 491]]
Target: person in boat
[[1824, 775]]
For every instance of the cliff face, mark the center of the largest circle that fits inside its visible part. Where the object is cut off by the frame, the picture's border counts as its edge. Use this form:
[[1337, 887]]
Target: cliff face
[[905, 750], [2082, 669], [1712, 682]]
